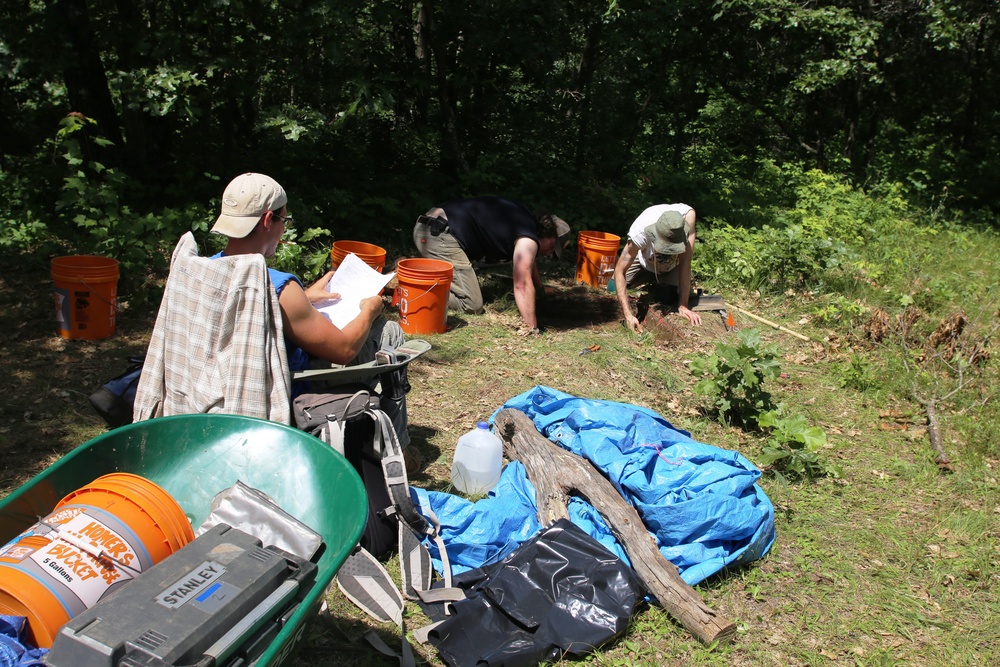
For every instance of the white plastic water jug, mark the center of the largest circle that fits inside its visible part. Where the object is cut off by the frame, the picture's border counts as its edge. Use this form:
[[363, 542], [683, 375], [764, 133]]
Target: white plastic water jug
[[478, 459]]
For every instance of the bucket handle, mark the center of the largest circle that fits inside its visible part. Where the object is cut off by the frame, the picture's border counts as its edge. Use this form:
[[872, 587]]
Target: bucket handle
[[95, 293], [599, 270], [99, 554], [436, 283]]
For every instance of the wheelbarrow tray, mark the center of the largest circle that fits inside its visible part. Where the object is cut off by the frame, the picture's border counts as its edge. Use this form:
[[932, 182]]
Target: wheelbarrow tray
[[194, 457]]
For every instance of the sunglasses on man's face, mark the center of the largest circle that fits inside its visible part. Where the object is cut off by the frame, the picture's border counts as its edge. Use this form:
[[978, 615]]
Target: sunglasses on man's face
[[286, 220]]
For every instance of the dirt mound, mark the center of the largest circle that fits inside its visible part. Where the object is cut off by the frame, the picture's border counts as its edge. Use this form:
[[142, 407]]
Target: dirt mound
[[670, 327], [573, 306]]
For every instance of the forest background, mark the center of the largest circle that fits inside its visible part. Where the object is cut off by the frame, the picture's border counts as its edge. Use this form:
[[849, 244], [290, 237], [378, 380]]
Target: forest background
[[124, 120]]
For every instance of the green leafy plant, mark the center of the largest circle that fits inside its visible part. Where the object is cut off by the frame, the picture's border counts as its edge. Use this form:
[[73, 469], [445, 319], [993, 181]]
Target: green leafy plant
[[306, 255], [91, 213], [793, 446], [733, 377], [857, 375], [794, 256], [837, 308], [771, 258]]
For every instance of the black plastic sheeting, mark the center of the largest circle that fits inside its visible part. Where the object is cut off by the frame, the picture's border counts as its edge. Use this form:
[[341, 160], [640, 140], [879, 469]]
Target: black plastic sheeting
[[559, 593]]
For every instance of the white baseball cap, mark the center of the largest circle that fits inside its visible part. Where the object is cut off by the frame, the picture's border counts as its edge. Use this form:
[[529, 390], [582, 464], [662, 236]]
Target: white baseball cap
[[247, 198]]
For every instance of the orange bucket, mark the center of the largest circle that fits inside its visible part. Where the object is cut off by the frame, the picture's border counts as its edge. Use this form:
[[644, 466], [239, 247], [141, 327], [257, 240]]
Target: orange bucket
[[596, 255], [370, 254], [422, 294], [86, 293], [97, 539]]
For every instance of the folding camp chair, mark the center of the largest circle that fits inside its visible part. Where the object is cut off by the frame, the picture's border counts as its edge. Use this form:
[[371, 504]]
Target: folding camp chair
[[218, 346]]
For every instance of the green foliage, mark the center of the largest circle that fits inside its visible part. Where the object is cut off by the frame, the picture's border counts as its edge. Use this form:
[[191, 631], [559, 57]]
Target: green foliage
[[770, 259], [857, 374], [161, 91], [306, 255], [91, 213], [826, 206], [792, 446], [622, 107], [837, 308], [733, 377], [795, 257]]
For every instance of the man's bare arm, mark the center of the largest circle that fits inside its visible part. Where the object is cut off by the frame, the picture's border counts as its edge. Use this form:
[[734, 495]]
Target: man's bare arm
[[628, 255], [684, 277], [525, 250], [306, 327]]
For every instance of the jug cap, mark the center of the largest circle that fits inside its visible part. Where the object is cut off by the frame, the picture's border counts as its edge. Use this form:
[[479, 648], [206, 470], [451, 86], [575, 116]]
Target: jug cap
[[483, 425]]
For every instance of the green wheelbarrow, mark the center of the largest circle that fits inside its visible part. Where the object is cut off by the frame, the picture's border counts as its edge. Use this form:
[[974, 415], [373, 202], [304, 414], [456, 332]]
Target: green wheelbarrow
[[193, 458]]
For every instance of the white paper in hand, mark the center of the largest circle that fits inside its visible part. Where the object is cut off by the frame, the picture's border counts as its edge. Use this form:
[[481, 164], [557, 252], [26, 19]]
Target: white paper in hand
[[354, 281]]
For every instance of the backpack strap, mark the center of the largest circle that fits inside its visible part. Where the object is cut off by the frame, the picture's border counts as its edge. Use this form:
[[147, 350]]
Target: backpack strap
[[387, 447]]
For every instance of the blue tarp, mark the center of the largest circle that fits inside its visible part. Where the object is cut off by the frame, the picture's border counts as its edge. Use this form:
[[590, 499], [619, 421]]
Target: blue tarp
[[13, 651], [702, 503]]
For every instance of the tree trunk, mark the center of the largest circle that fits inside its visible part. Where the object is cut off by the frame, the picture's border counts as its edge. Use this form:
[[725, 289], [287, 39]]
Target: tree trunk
[[86, 80], [145, 135], [579, 104], [452, 158], [557, 474]]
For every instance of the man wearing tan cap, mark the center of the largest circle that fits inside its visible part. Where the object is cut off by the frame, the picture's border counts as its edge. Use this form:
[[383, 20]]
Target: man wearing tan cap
[[493, 229], [659, 249], [253, 217]]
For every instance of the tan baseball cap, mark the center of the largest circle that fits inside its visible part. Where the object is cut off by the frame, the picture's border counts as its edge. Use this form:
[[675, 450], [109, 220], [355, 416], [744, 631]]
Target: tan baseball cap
[[562, 234], [247, 198]]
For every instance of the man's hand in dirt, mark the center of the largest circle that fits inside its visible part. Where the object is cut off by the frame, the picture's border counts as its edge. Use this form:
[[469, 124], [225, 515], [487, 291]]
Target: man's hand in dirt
[[693, 317], [632, 323]]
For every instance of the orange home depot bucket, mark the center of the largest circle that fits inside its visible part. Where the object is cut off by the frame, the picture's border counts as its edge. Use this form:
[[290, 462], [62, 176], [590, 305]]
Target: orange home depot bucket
[[86, 292], [96, 539], [596, 255], [370, 254], [422, 294]]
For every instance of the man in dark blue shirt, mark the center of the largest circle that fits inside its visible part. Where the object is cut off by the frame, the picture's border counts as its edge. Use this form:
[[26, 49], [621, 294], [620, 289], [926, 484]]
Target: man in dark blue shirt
[[491, 229]]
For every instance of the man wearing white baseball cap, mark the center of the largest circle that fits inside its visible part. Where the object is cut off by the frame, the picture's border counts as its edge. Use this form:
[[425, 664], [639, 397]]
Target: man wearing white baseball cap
[[253, 217]]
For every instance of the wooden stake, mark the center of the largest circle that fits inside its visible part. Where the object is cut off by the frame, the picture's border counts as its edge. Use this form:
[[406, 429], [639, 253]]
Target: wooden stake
[[770, 323], [557, 473]]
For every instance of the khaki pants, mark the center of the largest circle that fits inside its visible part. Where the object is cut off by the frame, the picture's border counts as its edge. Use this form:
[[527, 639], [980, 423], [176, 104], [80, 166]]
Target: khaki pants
[[636, 275], [465, 295]]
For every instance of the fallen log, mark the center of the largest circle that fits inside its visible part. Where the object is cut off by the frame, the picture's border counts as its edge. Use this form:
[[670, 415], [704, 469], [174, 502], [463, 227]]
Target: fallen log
[[558, 474]]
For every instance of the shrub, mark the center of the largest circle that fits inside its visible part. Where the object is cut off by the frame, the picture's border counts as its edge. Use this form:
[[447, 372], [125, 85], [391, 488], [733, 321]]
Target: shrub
[[792, 446], [857, 375], [733, 377]]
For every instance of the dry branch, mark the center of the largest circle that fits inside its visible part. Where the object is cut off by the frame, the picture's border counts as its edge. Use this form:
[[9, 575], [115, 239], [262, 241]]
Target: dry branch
[[958, 361], [557, 474], [934, 432]]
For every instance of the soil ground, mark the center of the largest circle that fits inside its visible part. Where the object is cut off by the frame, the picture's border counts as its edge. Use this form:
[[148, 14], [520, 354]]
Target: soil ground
[[44, 411]]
